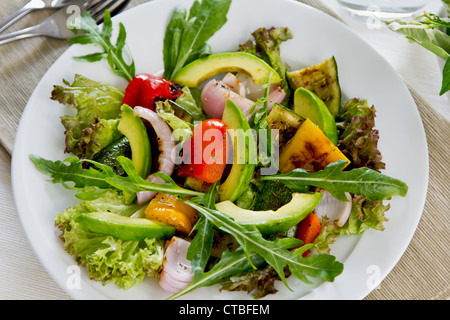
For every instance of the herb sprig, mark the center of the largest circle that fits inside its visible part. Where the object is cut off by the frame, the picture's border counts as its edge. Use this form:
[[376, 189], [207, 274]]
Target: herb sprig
[[102, 37], [425, 30], [360, 181]]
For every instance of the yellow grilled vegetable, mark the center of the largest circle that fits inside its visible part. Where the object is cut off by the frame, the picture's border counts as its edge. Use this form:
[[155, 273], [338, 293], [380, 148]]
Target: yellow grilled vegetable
[[309, 149], [166, 208]]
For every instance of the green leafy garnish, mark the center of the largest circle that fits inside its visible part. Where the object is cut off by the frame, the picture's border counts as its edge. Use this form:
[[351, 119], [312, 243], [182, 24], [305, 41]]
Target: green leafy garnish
[[199, 250], [102, 37], [71, 170], [186, 35], [181, 130], [360, 181], [425, 30]]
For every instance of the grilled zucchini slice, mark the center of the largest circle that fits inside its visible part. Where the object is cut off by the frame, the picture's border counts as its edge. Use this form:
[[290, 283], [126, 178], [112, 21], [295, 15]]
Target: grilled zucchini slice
[[322, 79]]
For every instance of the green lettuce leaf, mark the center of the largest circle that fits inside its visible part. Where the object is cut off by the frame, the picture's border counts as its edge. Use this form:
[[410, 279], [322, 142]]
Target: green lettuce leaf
[[182, 130], [106, 258], [97, 108], [191, 104]]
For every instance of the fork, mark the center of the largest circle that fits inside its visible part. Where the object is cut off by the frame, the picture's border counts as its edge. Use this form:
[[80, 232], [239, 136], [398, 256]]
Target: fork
[[31, 6], [55, 26]]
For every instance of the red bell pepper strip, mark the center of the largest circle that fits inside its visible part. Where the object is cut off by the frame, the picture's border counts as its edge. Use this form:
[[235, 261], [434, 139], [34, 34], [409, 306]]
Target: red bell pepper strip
[[145, 89], [205, 154], [308, 229]]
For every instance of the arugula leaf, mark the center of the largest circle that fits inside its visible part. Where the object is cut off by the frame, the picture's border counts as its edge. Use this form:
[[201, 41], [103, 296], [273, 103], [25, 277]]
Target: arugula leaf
[[200, 248], [72, 172], [105, 178], [93, 35], [231, 263], [360, 181], [185, 39]]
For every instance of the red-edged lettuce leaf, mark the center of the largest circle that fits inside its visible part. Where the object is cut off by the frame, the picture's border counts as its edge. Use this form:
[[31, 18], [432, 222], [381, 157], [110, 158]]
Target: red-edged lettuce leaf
[[358, 139]]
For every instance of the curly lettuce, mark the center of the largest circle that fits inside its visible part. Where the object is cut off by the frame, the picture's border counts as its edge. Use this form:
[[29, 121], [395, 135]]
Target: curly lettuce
[[97, 107], [109, 259], [358, 139]]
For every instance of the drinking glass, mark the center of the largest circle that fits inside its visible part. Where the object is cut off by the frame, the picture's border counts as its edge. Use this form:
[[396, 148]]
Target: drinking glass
[[385, 9]]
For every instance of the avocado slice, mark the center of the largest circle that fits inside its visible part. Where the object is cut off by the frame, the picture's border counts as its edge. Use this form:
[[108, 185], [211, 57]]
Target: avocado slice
[[134, 129], [270, 221], [309, 105], [122, 227], [244, 153], [194, 73], [323, 80]]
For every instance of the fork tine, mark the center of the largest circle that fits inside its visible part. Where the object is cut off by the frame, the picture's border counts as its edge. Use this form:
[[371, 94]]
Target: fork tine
[[97, 7], [114, 8]]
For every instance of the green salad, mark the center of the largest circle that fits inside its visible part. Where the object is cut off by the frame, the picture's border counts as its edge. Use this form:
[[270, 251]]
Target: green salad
[[229, 170]]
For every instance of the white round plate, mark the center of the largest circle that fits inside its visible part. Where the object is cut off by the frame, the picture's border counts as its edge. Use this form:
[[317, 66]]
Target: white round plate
[[363, 73]]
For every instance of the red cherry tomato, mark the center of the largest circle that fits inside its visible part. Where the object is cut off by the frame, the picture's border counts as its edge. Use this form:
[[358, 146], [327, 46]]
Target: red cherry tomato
[[145, 89], [204, 155]]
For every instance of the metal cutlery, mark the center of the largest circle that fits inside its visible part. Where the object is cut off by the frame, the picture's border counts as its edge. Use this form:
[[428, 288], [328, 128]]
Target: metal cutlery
[[55, 26], [32, 6]]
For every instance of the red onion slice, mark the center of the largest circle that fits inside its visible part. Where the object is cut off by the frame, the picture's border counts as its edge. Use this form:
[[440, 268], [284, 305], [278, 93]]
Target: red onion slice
[[176, 272], [234, 84], [165, 144], [215, 94], [335, 210]]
